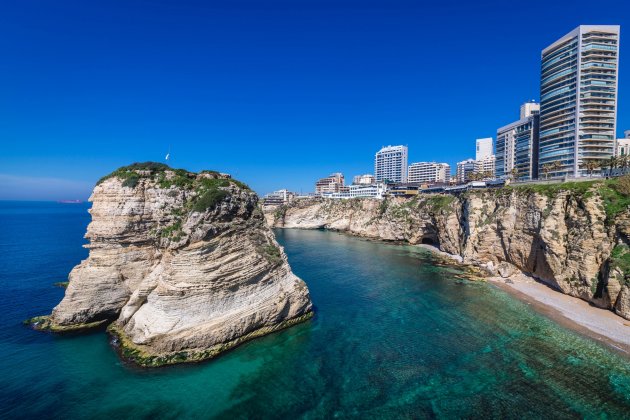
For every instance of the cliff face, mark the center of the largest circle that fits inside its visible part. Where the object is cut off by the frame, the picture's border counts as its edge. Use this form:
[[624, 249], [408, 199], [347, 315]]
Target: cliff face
[[572, 236], [183, 263]]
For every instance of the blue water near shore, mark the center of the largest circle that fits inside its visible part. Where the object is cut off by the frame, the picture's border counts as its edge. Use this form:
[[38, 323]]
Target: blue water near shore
[[395, 336]]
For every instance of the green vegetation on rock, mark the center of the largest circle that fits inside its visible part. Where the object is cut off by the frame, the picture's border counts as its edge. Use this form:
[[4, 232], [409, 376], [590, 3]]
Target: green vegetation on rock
[[44, 323], [620, 260], [141, 355], [210, 193], [439, 202], [271, 253]]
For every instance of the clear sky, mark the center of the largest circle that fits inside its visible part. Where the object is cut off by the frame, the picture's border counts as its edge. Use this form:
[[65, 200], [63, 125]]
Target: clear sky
[[278, 93]]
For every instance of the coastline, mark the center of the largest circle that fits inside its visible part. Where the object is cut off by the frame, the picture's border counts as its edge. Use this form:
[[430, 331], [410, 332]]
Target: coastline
[[576, 314]]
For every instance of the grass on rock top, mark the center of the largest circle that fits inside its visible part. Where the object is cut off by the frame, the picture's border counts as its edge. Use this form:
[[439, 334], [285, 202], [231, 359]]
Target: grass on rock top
[[615, 192], [210, 191]]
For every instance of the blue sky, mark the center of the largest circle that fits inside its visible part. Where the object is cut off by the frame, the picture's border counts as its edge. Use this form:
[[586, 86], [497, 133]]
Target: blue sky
[[278, 93]]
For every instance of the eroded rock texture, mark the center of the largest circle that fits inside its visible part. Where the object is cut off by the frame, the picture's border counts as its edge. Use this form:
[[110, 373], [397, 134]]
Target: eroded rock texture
[[574, 238], [184, 265]]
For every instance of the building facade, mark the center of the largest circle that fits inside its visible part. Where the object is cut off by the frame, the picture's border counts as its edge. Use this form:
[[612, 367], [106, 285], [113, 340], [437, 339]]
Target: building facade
[[279, 197], [465, 169], [517, 145], [484, 148], [428, 172], [578, 99], [366, 179], [331, 184], [486, 167], [390, 164], [367, 190], [623, 147], [529, 108]]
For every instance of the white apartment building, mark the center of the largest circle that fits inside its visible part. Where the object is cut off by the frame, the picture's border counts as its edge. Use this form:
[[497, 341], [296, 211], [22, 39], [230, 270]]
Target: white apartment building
[[486, 166], [623, 147], [363, 179], [278, 198], [368, 190], [390, 164], [464, 169], [578, 99], [484, 148], [428, 172]]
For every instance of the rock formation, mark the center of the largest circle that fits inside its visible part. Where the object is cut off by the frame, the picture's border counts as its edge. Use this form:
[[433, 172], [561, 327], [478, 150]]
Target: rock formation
[[184, 265], [573, 236]]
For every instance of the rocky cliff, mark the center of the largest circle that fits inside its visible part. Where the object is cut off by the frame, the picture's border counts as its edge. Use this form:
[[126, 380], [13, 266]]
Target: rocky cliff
[[182, 263], [573, 236]]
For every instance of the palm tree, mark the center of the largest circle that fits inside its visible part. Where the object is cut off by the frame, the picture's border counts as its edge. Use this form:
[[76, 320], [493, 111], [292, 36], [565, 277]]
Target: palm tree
[[590, 165], [612, 163], [546, 168], [514, 173], [623, 162]]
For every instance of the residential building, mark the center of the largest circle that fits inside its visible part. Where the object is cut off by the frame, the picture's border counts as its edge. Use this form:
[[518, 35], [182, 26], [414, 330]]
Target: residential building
[[484, 148], [623, 147], [578, 99], [464, 169], [428, 172], [486, 166], [390, 164], [330, 184], [367, 190], [517, 145], [277, 198], [529, 108], [363, 179]]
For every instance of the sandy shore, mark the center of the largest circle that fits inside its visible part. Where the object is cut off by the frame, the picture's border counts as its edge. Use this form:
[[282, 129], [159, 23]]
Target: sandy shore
[[576, 314]]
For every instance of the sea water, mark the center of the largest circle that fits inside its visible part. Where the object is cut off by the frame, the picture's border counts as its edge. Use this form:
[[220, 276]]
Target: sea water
[[395, 336]]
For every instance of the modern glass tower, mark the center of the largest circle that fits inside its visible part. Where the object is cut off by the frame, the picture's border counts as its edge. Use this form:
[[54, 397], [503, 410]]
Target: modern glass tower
[[578, 99], [517, 145]]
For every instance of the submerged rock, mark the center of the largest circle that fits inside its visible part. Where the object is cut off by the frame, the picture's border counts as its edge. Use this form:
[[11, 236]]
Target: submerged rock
[[184, 265]]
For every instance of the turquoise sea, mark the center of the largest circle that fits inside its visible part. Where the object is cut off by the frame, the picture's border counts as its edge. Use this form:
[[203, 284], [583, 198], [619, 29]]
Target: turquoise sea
[[395, 336]]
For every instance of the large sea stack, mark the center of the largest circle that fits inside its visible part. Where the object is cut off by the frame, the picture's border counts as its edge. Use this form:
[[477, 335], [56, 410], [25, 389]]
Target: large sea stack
[[182, 266]]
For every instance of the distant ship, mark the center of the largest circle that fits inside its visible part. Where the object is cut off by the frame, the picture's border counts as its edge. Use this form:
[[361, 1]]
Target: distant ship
[[70, 201]]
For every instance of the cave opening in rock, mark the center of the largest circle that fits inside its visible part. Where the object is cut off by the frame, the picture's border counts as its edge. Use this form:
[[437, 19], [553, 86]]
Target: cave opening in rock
[[428, 240]]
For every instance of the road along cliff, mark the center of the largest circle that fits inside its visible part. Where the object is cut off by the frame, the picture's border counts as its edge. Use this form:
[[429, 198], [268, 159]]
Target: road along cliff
[[181, 264], [573, 236]]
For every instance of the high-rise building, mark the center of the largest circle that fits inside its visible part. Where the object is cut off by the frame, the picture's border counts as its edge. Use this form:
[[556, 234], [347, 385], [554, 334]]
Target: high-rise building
[[429, 172], [331, 184], [390, 164], [627, 133], [484, 148], [366, 179], [464, 169], [517, 145], [578, 99]]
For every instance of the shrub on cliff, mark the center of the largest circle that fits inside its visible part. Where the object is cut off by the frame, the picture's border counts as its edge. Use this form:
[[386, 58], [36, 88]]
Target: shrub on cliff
[[623, 185]]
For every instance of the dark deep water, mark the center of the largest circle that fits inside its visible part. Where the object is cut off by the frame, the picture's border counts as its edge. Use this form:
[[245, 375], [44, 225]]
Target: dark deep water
[[394, 336]]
